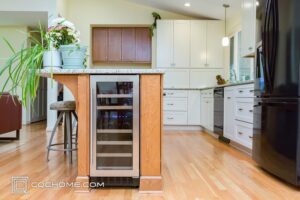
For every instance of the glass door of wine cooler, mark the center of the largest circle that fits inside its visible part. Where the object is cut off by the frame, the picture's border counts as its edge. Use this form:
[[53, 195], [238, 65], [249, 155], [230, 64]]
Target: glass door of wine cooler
[[114, 126]]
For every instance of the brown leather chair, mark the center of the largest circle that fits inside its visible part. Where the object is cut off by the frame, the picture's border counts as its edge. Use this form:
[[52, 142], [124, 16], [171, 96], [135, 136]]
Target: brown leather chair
[[10, 115]]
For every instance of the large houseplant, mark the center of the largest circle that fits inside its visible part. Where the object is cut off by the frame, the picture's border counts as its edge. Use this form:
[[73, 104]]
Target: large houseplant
[[64, 36], [21, 70]]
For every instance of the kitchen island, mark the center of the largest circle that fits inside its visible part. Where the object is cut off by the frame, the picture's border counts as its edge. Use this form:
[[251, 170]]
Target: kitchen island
[[150, 120]]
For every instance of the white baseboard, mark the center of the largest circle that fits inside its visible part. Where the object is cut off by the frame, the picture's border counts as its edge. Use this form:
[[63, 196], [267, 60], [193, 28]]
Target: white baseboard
[[182, 128]]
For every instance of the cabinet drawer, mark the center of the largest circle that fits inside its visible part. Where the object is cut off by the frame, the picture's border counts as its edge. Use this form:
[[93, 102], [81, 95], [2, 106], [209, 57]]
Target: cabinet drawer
[[176, 93], [245, 91], [244, 110], [207, 93], [244, 133], [175, 104], [175, 118]]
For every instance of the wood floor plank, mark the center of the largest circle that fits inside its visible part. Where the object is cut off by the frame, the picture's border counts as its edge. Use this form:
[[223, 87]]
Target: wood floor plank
[[195, 166]]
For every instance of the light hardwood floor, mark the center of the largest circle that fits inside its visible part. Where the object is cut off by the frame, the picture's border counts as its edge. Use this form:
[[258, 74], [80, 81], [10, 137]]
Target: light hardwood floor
[[195, 166]]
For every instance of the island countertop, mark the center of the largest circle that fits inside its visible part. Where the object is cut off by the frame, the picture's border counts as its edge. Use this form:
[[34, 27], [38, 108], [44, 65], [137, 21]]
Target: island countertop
[[47, 71]]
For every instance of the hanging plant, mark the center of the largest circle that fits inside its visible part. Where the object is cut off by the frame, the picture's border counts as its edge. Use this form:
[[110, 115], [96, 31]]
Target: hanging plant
[[156, 17]]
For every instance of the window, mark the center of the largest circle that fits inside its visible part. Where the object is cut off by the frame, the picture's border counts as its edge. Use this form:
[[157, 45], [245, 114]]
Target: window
[[241, 69]]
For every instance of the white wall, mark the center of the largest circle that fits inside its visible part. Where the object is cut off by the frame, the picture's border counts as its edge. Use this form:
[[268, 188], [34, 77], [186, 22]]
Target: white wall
[[112, 12], [16, 35]]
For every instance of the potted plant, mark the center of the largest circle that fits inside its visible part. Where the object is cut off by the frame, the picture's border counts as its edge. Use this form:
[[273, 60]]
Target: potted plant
[[65, 37], [21, 70]]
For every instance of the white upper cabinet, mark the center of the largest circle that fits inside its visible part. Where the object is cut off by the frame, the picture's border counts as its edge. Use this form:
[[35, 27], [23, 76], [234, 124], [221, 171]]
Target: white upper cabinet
[[248, 27], [198, 44], [215, 50], [190, 44], [182, 43], [165, 30]]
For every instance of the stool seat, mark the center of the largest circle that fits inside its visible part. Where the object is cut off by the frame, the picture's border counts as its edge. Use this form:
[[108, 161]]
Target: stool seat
[[63, 105]]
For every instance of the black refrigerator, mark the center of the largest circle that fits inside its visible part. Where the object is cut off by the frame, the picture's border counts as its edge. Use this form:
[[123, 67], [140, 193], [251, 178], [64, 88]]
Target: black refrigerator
[[276, 136]]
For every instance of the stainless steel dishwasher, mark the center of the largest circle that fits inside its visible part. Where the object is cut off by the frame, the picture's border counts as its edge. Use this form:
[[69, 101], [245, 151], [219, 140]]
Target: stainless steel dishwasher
[[115, 129]]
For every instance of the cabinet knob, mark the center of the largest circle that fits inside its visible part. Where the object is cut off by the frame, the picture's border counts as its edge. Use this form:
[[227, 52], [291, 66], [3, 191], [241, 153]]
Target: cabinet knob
[[164, 94]]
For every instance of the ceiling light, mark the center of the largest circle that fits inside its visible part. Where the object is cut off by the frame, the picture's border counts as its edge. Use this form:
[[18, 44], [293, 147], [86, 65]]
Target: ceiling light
[[225, 40], [187, 4]]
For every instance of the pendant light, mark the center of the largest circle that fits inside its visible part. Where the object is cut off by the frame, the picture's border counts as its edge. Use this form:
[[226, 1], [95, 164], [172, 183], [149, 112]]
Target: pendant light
[[225, 40]]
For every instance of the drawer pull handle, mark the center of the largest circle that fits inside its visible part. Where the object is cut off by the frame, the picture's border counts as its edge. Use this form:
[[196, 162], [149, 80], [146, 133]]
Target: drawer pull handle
[[170, 93], [251, 111], [170, 118], [170, 104], [228, 97], [241, 133], [250, 137], [241, 91], [251, 91], [241, 109]]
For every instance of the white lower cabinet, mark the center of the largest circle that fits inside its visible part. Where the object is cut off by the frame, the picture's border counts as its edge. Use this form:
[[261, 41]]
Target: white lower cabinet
[[194, 109], [238, 114], [207, 109], [182, 107], [175, 118], [229, 106]]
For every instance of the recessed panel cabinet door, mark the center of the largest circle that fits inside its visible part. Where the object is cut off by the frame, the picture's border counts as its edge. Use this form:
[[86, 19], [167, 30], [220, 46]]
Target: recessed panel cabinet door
[[115, 44], [143, 45], [215, 50], [229, 117], [194, 107], [128, 44], [164, 43], [182, 30], [198, 44], [100, 44]]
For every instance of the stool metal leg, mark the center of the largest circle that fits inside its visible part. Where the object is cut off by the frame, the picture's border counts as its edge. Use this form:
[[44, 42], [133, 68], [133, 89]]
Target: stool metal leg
[[53, 133], [69, 134]]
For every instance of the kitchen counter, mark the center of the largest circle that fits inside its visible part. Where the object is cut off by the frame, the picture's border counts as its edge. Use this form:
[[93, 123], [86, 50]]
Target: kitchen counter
[[48, 71], [150, 114], [212, 87]]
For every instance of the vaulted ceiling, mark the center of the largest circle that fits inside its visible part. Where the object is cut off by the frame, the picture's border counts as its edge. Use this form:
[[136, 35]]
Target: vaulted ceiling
[[199, 8]]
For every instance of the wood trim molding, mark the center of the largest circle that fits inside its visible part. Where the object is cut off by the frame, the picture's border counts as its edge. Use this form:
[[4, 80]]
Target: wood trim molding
[[151, 184]]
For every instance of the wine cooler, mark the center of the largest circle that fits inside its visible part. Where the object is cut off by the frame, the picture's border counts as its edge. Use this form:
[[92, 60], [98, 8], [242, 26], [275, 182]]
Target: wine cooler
[[114, 126]]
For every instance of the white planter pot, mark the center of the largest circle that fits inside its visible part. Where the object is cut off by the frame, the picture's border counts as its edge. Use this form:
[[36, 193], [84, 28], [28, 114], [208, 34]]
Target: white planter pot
[[52, 58]]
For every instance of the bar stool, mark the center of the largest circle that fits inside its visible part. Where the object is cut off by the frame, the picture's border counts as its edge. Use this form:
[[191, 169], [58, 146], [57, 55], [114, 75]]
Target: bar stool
[[66, 109]]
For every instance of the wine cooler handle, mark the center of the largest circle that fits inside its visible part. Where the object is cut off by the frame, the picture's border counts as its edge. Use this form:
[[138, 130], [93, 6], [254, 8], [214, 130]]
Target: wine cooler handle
[[92, 146]]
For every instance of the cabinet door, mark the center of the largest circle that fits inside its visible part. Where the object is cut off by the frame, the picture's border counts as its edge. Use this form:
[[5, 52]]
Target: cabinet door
[[115, 44], [248, 27], [210, 114], [181, 43], [178, 78], [143, 45], [228, 113], [164, 43], [100, 45], [194, 107], [203, 113], [204, 77], [128, 44], [215, 50], [198, 44]]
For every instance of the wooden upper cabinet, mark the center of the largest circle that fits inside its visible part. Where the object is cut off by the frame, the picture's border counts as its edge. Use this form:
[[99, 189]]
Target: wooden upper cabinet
[[143, 45], [100, 44], [128, 44], [121, 45]]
